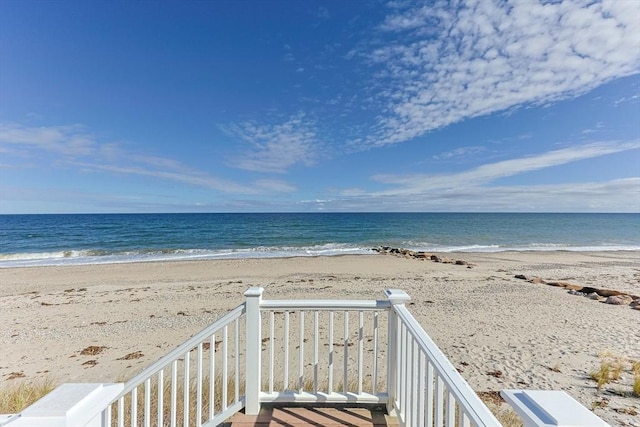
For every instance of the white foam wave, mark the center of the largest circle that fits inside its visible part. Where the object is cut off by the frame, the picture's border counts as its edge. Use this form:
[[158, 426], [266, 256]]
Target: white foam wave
[[84, 257], [102, 257]]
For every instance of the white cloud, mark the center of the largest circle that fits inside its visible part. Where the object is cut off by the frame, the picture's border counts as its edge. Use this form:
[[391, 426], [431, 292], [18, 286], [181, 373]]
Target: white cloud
[[418, 184], [73, 146], [620, 195], [190, 177], [274, 186], [450, 61], [276, 147], [459, 152], [71, 141]]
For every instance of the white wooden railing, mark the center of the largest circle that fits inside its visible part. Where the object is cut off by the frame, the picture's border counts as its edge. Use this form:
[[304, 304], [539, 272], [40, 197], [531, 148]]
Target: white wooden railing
[[298, 351], [303, 352], [173, 391], [428, 390]]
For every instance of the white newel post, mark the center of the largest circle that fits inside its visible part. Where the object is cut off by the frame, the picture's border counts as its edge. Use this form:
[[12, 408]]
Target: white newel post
[[395, 297], [253, 374]]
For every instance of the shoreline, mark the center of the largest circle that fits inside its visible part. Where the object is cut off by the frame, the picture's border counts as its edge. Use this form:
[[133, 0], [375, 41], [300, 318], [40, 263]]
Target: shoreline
[[31, 260], [483, 318]]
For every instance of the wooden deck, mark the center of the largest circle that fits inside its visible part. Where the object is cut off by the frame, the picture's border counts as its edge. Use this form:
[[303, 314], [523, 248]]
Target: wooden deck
[[330, 417]]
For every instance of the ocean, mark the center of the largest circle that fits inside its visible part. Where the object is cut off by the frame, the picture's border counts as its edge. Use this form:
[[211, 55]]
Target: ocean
[[37, 240]]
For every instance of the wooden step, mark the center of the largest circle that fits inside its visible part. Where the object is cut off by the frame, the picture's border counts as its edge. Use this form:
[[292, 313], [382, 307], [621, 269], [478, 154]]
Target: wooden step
[[329, 417]]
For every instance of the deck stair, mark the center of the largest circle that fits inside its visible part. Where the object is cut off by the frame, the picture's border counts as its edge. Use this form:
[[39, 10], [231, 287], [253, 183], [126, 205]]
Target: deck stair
[[315, 416], [329, 363]]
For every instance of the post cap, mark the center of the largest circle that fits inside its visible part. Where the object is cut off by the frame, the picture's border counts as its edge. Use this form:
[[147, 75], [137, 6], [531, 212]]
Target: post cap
[[397, 296], [254, 291]]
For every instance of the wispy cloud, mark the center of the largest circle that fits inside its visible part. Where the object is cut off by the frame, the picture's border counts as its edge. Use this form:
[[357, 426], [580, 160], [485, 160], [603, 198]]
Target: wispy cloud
[[74, 146], [596, 128], [418, 184], [70, 141], [461, 152], [450, 61], [620, 195], [323, 13], [276, 147]]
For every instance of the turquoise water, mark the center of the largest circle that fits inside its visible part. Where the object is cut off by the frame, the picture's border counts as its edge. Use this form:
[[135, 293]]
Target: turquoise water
[[28, 240]]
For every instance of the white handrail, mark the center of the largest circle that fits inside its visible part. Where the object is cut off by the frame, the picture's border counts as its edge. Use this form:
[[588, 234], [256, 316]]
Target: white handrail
[[324, 305], [179, 351], [468, 401], [170, 361]]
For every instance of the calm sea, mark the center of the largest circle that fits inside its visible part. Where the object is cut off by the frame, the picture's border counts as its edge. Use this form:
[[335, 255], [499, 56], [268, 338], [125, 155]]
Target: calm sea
[[30, 240]]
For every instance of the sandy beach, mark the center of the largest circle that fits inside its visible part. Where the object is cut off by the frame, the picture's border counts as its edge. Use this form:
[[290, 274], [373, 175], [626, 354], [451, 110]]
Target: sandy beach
[[484, 318]]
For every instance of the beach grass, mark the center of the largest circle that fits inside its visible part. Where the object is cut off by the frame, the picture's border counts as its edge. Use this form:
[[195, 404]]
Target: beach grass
[[15, 397], [612, 368], [602, 375], [507, 417]]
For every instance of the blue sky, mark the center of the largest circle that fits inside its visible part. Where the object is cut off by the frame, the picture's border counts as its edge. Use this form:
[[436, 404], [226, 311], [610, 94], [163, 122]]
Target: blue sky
[[245, 106]]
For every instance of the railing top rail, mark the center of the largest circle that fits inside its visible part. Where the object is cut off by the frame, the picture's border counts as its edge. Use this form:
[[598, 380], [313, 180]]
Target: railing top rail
[[325, 305], [179, 351], [474, 407]]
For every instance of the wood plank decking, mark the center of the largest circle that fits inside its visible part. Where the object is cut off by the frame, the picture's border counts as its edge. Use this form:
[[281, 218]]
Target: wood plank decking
[[330, 417]]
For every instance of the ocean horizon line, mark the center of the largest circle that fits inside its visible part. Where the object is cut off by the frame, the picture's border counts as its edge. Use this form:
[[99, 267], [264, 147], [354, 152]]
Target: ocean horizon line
[[330, 213]]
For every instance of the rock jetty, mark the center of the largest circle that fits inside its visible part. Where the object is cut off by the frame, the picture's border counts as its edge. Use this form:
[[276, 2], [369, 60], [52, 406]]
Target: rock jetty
[[608, 296], [419, 255]]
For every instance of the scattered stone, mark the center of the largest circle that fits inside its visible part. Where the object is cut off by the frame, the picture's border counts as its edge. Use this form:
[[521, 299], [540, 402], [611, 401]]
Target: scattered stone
[[612, 297], [91, 362], [602, 292], [420, 255], [534, 279], [619, 300]]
